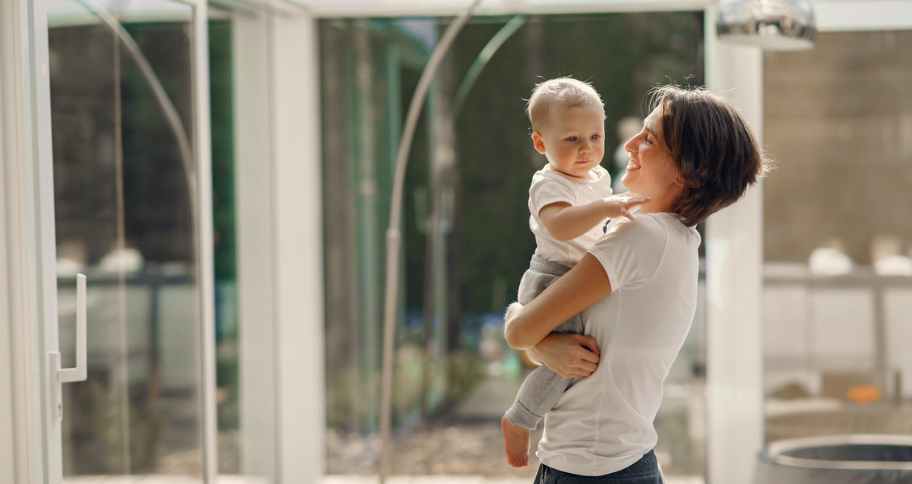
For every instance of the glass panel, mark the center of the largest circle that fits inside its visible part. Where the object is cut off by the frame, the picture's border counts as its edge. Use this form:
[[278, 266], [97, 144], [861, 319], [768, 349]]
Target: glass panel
[[455, 376], [838, 237], [125, 213]]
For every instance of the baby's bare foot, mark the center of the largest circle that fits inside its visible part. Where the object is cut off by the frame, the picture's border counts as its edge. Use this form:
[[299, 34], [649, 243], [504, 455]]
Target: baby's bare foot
[[516, 443]]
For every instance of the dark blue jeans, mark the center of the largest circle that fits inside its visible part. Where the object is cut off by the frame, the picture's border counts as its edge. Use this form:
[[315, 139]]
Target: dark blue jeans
[[643, 471]]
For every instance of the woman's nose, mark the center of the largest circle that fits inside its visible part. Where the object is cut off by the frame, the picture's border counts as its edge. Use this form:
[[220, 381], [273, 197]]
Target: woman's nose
[[630, 145]]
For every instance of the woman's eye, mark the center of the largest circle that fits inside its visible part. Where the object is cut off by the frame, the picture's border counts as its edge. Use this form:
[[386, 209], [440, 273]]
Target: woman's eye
[[647, 140], [572, 138]]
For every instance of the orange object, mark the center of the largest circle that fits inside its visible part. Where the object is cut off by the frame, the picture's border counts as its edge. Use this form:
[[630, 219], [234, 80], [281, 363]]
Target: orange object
[[863, 394]]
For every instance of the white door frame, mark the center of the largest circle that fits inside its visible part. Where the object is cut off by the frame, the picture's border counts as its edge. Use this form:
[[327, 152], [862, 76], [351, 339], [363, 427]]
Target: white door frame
[[26, 158]]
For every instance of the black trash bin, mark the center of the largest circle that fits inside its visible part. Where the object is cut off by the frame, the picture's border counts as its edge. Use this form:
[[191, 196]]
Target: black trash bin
[[837, 459]]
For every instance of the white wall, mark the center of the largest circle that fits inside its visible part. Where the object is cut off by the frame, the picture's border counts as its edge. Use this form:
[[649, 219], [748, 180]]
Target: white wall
[[734, 255]]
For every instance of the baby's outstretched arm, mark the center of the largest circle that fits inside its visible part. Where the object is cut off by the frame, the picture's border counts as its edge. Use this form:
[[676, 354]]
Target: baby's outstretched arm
[[565, 222]]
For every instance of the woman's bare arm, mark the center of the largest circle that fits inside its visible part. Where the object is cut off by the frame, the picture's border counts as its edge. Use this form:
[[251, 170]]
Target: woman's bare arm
[[573, 292]]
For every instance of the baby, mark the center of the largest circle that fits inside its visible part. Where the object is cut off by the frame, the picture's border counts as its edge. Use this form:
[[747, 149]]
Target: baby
[[570, 203]]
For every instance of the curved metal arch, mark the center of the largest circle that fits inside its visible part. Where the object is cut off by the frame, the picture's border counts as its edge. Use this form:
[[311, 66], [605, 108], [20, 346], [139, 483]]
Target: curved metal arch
[[393, 232], [158, 90]]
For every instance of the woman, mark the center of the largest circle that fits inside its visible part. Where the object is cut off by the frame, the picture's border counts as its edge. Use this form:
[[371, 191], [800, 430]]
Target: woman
[[637, 288]]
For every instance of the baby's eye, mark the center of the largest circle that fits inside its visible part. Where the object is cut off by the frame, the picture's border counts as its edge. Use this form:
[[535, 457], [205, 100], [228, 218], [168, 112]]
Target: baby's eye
[[572, 138], [596, 136]]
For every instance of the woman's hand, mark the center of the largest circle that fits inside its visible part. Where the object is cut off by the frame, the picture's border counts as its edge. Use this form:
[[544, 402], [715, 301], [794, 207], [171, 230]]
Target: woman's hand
[[568, 355]]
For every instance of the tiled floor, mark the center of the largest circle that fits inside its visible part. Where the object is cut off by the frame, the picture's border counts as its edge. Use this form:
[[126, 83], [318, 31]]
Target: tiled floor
[[159, 479]]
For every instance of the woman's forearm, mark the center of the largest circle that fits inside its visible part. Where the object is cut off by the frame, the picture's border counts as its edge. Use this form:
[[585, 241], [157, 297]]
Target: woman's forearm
[[578, 289], [514, 322]]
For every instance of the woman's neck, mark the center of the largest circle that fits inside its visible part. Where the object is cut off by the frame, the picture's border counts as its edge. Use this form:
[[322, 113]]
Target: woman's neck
[[656, 206], [662, 202]]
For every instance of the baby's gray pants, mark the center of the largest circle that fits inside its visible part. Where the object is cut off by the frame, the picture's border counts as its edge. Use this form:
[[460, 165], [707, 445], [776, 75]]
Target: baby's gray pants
[[543, 388]]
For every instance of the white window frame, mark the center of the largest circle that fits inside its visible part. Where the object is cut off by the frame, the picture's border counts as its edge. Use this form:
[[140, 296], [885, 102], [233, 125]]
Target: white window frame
[[206, 250], [279, 241], [863, 15]]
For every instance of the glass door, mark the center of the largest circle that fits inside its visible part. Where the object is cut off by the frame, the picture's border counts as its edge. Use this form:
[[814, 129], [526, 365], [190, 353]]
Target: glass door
[[116, 187], [128, 214]]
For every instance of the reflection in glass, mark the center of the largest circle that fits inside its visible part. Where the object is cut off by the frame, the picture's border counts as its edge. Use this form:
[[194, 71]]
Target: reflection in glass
[[124, 216], [467, 192], [838, 237]]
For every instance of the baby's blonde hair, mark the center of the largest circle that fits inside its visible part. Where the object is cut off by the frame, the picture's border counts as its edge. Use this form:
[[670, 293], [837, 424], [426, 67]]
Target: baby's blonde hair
[[563, 91]]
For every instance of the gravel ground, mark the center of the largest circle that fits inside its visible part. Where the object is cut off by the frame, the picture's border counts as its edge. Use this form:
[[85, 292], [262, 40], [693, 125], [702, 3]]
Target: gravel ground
[[470, 449], [464, 448]]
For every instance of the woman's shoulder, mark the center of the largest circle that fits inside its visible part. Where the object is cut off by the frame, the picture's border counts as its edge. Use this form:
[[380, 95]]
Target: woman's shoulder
[[645, 225], [650, 230], [643, 229]]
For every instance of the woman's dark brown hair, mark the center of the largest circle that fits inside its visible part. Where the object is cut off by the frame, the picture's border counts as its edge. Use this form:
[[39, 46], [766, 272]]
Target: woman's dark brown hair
[[716, 153]]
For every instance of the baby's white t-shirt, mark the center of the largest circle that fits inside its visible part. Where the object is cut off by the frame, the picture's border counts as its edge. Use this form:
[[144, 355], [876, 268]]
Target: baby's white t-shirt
[[551, 186]]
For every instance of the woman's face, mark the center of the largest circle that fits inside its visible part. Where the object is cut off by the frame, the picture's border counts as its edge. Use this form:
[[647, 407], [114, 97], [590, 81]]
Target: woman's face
[[651, 171]]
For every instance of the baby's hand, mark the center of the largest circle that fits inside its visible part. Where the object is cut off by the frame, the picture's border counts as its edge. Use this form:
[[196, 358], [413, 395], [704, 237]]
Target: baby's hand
[[621, 205]]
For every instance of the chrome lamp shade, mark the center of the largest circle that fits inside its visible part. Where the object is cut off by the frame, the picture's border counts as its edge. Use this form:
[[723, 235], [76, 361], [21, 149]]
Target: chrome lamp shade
[[769, 24]]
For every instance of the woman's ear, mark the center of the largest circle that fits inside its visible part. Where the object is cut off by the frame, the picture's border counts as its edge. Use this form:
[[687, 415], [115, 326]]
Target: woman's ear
[[679, 179], [538, 142]]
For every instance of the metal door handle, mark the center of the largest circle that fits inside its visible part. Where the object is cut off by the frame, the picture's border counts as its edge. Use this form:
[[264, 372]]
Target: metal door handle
[[69, 375]]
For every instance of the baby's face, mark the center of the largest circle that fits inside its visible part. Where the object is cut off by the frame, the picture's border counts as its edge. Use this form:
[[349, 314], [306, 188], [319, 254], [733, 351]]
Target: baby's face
[[573, 140]]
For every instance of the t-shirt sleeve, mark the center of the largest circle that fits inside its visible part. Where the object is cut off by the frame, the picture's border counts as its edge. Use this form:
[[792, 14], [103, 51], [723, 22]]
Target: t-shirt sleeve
[[545, 191], [630, 252]]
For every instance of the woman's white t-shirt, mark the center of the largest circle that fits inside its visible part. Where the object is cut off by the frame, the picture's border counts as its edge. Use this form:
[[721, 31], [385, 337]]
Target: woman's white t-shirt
[[604, 423], [550, 186]]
